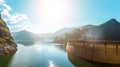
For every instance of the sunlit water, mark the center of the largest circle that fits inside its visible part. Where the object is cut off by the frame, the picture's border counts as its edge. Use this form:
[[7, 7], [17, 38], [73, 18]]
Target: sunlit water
[[46, 55], [40, 55]]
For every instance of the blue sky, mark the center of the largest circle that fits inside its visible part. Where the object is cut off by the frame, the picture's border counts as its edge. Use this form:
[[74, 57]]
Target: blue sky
[[42, 16]]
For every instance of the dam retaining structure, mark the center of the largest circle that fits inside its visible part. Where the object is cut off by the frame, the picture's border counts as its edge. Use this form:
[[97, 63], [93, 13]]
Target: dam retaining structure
[[98, 51]]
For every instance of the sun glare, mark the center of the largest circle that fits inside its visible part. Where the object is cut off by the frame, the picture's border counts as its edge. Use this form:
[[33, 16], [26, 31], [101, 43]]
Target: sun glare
[[54, 11], [53, 14], [51, 64]]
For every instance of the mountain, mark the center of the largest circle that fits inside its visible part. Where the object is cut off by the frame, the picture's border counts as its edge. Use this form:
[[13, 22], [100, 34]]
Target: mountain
[[87, 26], [7, 44], [25, 37], [61, 32], [22, 35], [109, 30], [75, 33]]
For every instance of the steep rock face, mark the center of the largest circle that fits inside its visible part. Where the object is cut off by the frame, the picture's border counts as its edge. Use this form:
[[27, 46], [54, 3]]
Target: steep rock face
[[7, 44]]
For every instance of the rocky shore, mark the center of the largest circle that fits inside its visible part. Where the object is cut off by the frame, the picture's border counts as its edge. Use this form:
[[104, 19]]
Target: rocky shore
[[7, 44], [5, 50]]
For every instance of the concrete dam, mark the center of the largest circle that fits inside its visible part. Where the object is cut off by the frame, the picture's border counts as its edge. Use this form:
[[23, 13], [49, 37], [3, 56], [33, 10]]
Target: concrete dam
[[97, 51]]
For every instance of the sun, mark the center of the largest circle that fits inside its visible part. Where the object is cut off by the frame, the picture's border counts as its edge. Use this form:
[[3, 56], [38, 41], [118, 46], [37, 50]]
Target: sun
[[52, 14], [53, 11]]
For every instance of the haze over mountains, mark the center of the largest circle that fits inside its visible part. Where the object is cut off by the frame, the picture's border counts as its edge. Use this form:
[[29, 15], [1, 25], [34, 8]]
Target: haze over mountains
[[109, 30], [62, 31], [25, 37]]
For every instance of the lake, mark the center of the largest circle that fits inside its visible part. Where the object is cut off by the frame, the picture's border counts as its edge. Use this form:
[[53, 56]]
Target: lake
[[44, 55], [37, 55]]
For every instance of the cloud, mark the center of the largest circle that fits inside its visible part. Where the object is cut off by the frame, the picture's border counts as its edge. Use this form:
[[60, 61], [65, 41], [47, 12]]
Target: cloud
[[1, 1], [4, 5], [16, 28], [14, 20]]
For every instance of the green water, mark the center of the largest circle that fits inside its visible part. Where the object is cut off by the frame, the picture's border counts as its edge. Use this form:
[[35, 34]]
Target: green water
[[37, 55], [78, 62], [4, 60], [45, 55]]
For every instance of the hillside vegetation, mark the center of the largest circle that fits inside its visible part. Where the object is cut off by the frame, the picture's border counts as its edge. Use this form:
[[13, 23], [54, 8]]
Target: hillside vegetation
[[107, 31], [7, 43]]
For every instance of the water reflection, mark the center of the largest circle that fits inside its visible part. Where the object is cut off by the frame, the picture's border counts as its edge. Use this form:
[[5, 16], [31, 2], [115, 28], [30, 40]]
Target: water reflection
[[38, 48], [5, 60], [84, 63], [62, 47], [40, 55], [25, 43], [46, 55], [51, 64]]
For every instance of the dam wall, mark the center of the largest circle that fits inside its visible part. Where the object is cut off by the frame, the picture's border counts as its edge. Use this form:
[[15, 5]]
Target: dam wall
[[98, 51]]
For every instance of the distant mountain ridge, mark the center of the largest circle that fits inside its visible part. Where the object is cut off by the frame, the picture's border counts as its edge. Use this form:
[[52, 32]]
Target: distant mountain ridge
[[22, 34], [109, 30], [25, 37], [62, 31]]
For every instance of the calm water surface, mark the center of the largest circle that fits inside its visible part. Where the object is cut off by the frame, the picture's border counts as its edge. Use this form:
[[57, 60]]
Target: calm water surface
[[40, 55], [45, 55]]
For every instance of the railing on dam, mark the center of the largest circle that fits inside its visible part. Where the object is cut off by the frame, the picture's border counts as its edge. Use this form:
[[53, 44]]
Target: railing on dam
[[96, 50]]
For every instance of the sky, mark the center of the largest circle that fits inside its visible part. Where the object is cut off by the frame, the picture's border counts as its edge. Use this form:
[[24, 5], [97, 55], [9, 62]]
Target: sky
[[44, 16]]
